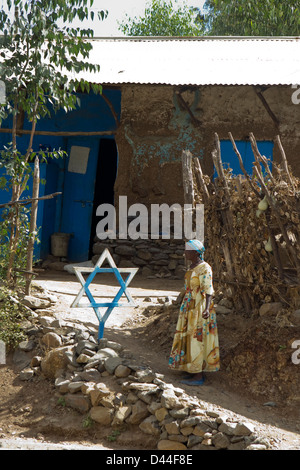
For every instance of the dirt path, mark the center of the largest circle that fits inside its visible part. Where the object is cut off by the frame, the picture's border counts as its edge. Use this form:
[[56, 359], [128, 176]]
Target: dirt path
[[66, 287], [129, 327]]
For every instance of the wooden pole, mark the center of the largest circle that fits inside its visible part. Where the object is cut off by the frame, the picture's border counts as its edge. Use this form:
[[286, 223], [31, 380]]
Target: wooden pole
[[33, 217], [59, 133], [219, 165], [242, 165], [194, 120], [267, 107], [284, 161], [200, 179], [259, 158], [187, 174]]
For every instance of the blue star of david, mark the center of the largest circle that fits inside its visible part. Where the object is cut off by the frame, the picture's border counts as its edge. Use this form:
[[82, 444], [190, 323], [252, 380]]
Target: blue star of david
[[109, 305]]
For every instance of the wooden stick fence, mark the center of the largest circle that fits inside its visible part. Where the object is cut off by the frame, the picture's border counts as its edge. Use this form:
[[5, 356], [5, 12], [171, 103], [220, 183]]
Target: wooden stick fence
[[253, 251]]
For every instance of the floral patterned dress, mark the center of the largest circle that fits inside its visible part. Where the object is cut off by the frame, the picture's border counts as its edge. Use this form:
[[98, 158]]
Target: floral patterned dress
[[196, 345]]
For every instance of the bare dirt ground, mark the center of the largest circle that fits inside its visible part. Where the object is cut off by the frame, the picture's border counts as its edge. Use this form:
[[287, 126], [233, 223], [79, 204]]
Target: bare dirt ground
[[31, 418]]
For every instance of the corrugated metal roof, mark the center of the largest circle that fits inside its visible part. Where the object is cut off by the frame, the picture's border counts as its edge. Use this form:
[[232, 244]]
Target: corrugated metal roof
[[196, 61]]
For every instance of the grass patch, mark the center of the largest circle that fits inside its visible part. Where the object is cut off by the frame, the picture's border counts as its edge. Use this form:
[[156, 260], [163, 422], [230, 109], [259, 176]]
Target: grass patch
[[12, 314], [87, 422], [113, 436]]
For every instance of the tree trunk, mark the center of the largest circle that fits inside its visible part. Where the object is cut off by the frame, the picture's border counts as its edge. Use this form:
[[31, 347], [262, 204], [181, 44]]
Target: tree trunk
[[32, 235]]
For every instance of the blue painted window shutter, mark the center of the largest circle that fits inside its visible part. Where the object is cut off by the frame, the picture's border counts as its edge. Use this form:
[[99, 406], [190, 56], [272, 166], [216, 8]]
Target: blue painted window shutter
[[230, 158]]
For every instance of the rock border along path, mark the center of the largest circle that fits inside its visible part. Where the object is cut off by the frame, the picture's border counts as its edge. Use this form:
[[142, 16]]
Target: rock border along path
[[107, 384], [103, 382]]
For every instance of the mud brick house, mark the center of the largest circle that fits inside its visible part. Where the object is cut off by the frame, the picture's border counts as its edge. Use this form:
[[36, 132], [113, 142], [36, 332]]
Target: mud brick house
[[160, 97]]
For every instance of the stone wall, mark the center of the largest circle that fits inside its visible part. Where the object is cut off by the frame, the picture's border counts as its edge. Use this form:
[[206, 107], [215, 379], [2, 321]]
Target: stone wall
[[154, 258]]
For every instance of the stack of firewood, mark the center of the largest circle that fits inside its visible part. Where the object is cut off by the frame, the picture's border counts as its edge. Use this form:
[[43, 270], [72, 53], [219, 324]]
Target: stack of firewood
[[252, 227]]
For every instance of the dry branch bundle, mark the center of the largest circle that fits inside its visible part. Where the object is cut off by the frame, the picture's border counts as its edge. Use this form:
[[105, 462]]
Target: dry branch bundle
[[252, 227]]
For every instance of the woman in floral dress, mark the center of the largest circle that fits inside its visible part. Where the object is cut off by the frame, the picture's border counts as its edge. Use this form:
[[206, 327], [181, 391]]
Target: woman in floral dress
[[195, 346]]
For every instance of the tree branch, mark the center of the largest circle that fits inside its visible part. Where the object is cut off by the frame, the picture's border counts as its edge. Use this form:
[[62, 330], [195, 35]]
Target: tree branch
[[29, 201]]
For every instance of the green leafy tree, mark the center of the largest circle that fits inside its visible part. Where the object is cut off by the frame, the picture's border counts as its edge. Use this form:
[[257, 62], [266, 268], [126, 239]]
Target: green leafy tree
[[164, 18], [40, 52], [252, 17]]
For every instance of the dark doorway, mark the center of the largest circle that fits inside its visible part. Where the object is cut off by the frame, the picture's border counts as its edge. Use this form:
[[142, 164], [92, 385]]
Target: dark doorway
[[105, 180]]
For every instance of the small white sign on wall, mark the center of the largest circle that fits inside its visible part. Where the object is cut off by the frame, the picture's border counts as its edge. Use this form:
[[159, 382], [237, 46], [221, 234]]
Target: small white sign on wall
[[2, 353], [78, 161], [2, 92]]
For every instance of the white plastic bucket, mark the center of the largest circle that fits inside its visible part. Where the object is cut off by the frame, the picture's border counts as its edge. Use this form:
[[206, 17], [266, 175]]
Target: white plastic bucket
[[60, 244]]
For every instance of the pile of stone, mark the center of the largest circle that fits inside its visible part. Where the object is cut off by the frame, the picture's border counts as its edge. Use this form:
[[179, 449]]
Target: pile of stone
[[105, 382], [154, 258]]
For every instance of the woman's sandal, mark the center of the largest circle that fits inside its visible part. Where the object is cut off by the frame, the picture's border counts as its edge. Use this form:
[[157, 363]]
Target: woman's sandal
[[193, 381]]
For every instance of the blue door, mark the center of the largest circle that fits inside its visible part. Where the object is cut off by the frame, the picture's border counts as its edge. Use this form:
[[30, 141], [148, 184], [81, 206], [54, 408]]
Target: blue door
[[230, 158], [78, 195]]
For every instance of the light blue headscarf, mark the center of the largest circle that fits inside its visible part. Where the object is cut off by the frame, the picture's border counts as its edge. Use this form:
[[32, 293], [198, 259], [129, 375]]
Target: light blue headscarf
[[197, 246]]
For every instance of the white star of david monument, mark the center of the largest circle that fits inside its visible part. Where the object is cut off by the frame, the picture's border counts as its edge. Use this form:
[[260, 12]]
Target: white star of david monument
[[109, 305]]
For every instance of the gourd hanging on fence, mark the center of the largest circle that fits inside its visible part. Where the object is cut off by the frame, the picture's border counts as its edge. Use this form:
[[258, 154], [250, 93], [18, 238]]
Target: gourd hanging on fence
[[268, 245], [263, 205]]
